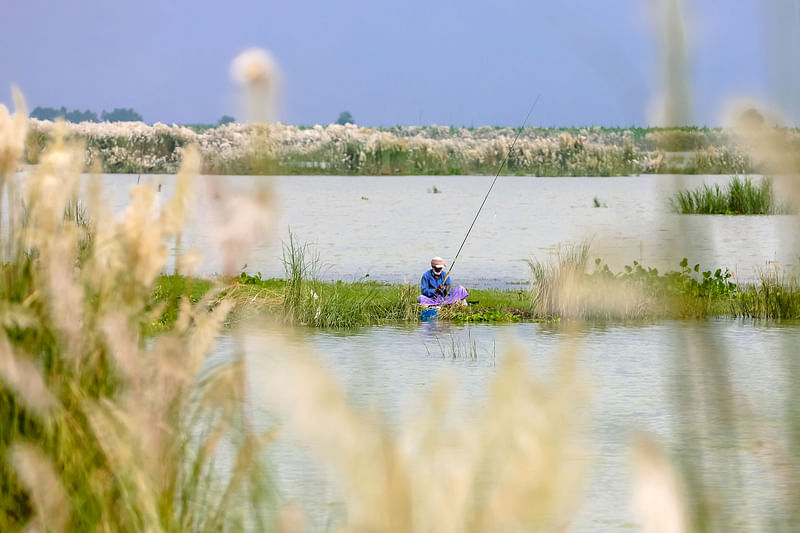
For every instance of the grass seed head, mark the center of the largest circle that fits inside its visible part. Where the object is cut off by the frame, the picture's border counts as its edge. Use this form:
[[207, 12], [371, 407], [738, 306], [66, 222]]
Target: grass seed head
[[256, 73], [25, 379], [40, 479], [12, 134]]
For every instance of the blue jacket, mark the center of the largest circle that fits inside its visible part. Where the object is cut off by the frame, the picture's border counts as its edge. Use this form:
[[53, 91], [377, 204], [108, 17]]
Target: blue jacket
[[429, 282]]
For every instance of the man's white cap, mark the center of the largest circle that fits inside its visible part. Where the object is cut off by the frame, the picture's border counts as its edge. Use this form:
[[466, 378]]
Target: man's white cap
[[437, 258]]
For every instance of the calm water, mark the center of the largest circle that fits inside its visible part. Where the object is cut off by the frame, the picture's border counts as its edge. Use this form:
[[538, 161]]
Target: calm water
[[635, 375], [639, 376], [389, 227]]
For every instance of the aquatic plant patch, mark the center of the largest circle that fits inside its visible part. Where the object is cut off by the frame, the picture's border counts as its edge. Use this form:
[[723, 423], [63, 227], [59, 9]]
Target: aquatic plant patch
[[738, 197]]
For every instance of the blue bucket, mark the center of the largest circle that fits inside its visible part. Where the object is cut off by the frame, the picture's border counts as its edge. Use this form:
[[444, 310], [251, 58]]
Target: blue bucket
[[428, 315]]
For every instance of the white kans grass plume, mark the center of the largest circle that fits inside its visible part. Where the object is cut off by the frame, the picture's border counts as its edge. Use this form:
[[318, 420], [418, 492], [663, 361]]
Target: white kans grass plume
[[179, 207], [22, 375], [237, 148], [759, 133], [144, 249], [670, 26], [87, 403], [12, 134], [658, 492], [256, 73], [40, 478]]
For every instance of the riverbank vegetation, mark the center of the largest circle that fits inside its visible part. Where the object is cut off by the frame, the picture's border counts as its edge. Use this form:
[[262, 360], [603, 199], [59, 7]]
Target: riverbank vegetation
[[134, 147], [565, 286], [738, 197]]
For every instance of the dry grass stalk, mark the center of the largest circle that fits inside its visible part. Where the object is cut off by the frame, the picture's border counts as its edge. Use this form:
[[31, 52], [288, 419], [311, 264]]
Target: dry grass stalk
[[562, 288]]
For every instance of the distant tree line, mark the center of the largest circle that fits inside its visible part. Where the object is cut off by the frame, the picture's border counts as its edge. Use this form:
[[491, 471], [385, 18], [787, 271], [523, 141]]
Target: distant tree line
[[119, 114], [345, 118]]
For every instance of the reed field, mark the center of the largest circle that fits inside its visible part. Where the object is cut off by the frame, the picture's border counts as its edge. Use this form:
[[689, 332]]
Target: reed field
[[254, 149]]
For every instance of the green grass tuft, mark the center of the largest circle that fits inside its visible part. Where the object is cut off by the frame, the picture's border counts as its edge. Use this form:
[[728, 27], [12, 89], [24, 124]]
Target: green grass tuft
[[739, 197]]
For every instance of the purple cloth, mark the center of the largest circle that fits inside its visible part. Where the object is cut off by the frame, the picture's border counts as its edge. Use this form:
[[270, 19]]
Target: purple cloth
[[456, 294]]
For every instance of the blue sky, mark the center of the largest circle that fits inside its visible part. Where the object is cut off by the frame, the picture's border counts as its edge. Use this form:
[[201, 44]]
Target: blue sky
[[465, 62]]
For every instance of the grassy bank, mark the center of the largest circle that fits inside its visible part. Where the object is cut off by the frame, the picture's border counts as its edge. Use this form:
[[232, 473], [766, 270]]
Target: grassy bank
[[738, 197], [408, 150], [331, 304], [567, 288]]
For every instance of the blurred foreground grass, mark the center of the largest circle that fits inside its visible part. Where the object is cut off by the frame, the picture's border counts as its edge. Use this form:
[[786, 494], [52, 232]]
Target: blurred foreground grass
[[104, 429], [101, 430]]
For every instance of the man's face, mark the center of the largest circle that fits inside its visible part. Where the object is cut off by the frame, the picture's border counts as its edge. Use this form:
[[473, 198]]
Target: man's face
[[437, 266]]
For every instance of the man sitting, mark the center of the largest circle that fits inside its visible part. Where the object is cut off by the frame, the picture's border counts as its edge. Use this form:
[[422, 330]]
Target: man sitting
[[436, 289]]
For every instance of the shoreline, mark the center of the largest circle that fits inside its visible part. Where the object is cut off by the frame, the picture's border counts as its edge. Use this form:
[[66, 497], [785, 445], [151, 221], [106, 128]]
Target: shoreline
[[328, 304]]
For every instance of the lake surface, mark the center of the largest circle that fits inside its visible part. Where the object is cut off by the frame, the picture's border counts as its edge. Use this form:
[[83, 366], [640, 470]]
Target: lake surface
[[389, 227], [636, 376], [657, 378]]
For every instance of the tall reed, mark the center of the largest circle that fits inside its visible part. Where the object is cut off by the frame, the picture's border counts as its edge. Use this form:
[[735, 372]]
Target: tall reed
[[100, 429], [562, 287]]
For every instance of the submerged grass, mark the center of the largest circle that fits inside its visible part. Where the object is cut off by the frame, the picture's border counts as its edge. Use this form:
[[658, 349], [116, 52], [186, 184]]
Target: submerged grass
[[462, 346], [739, 197]]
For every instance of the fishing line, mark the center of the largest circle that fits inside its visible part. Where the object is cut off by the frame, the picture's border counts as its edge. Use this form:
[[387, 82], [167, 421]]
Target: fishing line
[[499, 170]]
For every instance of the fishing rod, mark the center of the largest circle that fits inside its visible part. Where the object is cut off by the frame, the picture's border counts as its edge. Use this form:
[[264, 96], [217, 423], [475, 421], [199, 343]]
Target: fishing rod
[[499, 170]]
